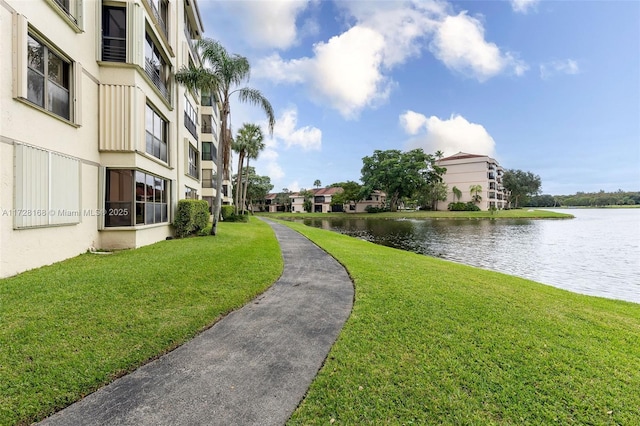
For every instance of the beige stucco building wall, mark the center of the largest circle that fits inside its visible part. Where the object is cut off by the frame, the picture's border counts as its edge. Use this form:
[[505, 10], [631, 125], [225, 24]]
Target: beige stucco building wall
[[465, 170], [105, 130]]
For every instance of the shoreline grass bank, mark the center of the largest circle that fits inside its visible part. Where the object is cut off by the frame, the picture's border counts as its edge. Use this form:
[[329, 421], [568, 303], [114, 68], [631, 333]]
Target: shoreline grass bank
[[72, 327], [434, 342], [464, 215]]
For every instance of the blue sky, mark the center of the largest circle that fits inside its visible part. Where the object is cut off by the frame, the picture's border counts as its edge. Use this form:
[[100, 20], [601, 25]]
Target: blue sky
[[551, 87]]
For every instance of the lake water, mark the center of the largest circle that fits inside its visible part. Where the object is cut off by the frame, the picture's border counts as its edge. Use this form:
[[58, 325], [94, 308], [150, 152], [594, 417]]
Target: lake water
[[597, 253]]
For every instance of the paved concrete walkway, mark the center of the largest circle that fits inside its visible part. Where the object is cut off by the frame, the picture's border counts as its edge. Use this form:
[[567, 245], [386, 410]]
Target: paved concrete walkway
[[253, 367]]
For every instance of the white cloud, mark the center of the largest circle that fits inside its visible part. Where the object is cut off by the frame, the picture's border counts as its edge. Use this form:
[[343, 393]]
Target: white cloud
[[460, 44], [523, 6], [268, 161], [351, 71], [286, 134], [265, 24], [567, 66], [294, 186], [449, 136], [412, 121], [307, 137]]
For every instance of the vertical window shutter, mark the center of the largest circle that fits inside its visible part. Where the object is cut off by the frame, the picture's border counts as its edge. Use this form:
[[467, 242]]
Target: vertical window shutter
[[20, 32], [65, 190], [77, 93], [186, 155], [32, 187]]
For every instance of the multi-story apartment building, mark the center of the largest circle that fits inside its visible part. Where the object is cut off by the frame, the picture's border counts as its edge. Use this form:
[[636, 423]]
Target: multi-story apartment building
[[321, 202], [465, 170], [97, 142]]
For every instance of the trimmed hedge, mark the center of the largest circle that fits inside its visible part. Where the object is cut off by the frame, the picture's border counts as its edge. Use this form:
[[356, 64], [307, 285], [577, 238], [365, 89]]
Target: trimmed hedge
[[463, 207], [191, 217], [226, 212]]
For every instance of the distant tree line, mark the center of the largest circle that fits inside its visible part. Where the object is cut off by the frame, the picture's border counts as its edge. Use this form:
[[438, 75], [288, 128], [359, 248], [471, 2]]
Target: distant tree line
[[586, 199]]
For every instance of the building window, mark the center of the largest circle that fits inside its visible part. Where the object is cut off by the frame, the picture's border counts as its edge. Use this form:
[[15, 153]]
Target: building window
[[114, 34], [48, 78], [207, 123], [190, 118], [156, 128], [47, 188], [209, 151], [194, 163], [206, 98], [70, 10], [156, 67], [135, 198], [207, 178], [190, 193]]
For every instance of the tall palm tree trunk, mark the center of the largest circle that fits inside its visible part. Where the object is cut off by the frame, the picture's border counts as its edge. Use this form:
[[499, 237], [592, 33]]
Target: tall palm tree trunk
[[219, 166], [246, 184], [237, 197]]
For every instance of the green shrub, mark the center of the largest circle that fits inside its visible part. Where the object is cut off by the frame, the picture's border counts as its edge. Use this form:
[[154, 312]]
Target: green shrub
[[463, 207], [206, 231], [191, 217], [237, 218], [373, 209], [226, 212]]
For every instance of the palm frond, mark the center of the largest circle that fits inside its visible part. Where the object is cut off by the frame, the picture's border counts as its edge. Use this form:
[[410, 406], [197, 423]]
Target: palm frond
[[255, 97]]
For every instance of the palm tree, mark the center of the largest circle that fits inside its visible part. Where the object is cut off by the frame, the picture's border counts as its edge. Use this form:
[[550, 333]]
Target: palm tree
[[221, 74], [457, 194], [255, 144], [241, 145], [317, 183], [475, 191]]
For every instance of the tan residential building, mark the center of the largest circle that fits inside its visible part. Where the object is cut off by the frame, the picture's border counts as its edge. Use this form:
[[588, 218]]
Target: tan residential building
[[321, 202], [466, 170], [97, 142], [377, 199]]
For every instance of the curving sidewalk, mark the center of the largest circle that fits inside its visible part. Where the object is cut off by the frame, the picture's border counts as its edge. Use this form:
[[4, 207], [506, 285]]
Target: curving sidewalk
[[253, 367]]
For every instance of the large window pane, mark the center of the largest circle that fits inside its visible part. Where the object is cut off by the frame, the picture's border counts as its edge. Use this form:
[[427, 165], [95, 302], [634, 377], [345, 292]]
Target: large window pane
[[35, 87], [59, 100], [58, 70], [119, 198], [50, 74], [114, 34], [156, 128], [35, 55], [150, 196]]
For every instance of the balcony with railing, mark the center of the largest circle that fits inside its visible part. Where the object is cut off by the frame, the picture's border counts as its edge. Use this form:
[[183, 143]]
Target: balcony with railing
[[114, 49], [160, 15], [190, 42], [66, 8], [491, 175], [152, 72], [190, 125]]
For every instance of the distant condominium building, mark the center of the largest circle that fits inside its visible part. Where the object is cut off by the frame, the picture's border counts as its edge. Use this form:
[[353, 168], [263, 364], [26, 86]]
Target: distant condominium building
[[466, 170], [98, 142]]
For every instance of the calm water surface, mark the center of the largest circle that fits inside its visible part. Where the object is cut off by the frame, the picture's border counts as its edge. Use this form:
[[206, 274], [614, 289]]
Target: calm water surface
[[597, 253]]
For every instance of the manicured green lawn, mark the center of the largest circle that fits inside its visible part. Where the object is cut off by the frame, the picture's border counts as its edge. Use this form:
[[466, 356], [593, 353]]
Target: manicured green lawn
[[434, 342], [428, 341], [70, 328], [502, 214]]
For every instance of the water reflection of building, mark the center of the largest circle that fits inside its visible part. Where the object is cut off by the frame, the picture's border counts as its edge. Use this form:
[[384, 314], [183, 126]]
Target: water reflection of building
[[93, 123], [466, 170]]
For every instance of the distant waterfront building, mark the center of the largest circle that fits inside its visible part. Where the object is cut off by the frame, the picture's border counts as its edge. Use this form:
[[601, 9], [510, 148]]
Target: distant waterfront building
[[465, 170], [97, 141]]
